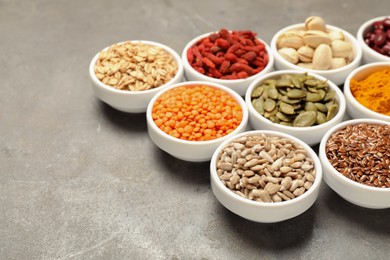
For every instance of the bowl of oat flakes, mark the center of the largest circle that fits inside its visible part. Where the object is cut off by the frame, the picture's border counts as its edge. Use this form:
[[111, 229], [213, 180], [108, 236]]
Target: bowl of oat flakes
[[356, 160], [128, 74], [265, 176]]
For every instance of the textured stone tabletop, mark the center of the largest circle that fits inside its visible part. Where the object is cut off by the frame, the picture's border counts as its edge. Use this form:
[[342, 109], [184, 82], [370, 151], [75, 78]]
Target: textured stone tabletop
[[80, 180]]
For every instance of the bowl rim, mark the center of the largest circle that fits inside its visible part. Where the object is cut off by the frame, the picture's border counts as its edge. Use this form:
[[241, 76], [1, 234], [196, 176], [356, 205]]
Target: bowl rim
[[341, 102], [365, 47], [317, 166], [356, 46], [173, 53], [186, 64], [331, 170], [237, 97], [352, 100]]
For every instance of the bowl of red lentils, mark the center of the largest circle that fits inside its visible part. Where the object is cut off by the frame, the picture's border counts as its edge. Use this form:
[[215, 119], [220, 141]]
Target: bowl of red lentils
[[230, 58], [356, 161], [190, 119], [302, 104], [317, 47], [374, 38], [128, 74], [367, 91], [265, 176]]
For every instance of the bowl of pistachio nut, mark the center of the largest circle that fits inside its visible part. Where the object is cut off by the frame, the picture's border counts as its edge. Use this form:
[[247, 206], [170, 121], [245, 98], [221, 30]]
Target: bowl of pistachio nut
[[317, 47], [302, 104]]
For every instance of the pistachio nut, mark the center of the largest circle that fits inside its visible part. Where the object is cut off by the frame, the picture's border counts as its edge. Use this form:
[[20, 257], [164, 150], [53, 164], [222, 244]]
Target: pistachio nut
[[308, 66], [341, 49], [305, 53], [290, 40], [315, 23], [337, 63], [314, 38], [336, 35], [322, 58], [290, 54]]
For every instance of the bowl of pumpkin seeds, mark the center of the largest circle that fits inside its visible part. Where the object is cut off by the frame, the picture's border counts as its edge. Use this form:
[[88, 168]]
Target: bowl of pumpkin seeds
[[302, 104]]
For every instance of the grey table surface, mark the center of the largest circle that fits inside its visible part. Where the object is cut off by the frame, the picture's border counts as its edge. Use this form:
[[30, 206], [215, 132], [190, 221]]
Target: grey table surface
[[80, 180]]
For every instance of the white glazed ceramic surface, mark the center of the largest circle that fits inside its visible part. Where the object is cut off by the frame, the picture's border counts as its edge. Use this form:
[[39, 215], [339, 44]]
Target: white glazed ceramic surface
[[194, 151], [131, 101], [354, 192], [354, 108], [369, 55], [238, 85], [261, 211], [311, 135], [337, 76]]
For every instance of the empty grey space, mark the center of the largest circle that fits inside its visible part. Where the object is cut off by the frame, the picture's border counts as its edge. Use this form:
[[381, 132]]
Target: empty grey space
[[80, 180]]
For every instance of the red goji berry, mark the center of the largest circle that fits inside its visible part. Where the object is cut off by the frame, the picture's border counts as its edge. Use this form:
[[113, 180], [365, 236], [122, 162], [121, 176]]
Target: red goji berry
[[190, 56], [224, 44], [249, 56], [208, 62], [224, 66], [243, 61], [215, 49], [237, 67], [230, 57], [240, 52], [233, 48], [214, 59], [200, 70], [215, 73], [213, 37], [242, 75]]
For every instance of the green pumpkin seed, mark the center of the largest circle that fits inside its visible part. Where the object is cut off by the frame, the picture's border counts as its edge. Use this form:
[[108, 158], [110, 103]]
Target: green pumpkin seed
[[269, 105], [332, 112], [258, 105], [296, 93], [321, 118], [322, 93], [283, 83], [286, 123], [312, 89], [321, 107], [273, 93], [257, 92], [296, 82], [274, 119], [330, 103], [307, 118], [312, 82], [309, 106], [290, 100], [329, 95], [269, 82], [271, 113], [286, 108], [283, 117], [313, 97]]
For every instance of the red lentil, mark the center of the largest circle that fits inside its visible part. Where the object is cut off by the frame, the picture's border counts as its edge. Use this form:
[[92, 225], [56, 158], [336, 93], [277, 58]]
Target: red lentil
[[228, 55], [197, 113]]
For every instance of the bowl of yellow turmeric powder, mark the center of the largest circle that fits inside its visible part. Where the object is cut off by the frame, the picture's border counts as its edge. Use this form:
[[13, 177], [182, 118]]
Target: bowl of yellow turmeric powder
[[367, 91]]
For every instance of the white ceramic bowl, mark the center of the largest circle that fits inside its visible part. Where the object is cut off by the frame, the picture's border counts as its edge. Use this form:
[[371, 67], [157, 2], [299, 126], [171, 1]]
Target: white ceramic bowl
[[311, 135], [369, 55], [194, 151], [337, 76], [238, 85], [131, 101], [261, 211], [354, 108], [354, 192]]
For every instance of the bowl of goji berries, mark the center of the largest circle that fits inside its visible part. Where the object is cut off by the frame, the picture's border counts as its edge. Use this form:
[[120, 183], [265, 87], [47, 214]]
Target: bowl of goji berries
[[128, 74], [189, 120], [355, 159], [231, 58]]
